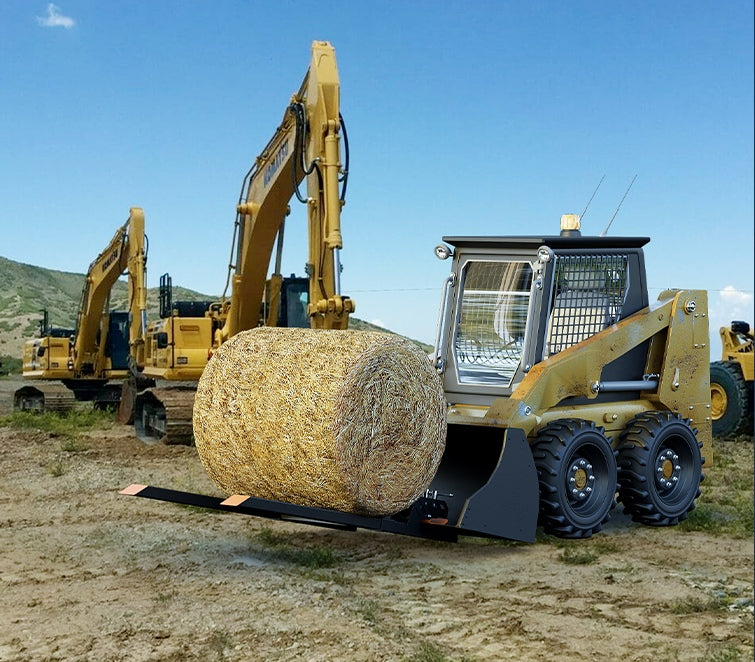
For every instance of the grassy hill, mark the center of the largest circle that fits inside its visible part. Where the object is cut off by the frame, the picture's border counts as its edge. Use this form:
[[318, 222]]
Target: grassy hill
[[26, 290]]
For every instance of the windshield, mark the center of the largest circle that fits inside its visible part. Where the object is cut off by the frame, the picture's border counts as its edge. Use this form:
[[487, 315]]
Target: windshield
[[492, 320]]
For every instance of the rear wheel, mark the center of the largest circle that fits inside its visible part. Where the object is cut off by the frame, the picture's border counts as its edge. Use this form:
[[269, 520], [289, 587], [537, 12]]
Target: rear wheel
[[729, 400], [660, 468], [576, 469]]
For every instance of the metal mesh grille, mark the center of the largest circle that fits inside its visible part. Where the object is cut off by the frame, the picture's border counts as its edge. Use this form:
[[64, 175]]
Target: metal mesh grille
[[588, 297], [492, 320]]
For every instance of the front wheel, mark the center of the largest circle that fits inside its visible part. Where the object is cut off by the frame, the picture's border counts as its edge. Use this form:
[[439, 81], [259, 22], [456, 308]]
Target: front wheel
[[660, 468], [576, 469], [730, 403]]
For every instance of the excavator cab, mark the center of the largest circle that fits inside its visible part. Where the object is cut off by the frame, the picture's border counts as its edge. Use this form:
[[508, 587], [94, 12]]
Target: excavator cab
[[294, 299], [116, 344]]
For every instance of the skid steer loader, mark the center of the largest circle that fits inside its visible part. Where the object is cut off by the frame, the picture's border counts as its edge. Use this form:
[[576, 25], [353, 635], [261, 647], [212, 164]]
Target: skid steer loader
[[565, 386]]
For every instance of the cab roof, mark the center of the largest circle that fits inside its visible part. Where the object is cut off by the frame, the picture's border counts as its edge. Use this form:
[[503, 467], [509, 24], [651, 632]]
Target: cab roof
[[554, 241]]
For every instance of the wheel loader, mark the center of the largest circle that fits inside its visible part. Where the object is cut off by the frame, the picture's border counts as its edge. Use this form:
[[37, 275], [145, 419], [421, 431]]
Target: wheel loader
[[566, 387], [731, 381]]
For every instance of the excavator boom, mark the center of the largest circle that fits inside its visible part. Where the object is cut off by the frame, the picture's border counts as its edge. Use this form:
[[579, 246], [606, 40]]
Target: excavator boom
[[307, 143], [125, 250]]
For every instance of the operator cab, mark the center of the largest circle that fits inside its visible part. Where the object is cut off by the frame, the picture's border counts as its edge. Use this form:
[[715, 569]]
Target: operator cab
[[512, 302]]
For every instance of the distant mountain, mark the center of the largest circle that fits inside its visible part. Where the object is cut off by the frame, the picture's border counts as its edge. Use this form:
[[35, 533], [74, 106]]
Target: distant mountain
[[27, 290]]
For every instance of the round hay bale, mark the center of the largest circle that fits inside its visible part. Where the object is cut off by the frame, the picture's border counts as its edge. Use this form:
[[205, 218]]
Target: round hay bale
[[348, 420]]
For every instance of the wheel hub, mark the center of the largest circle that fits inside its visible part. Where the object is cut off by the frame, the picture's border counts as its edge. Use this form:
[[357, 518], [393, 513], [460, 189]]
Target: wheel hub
[[580, 479], [718, 401], [667, 469]]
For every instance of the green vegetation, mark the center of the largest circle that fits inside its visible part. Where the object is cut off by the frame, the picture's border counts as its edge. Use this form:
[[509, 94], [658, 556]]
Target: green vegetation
[[220, 641], [9, 365], [726, 503], [577, 556], [724, 653], [427, 652], [368, 610], [55, 468], [67, 425], [282, 547], [697, 605], [584, 552]]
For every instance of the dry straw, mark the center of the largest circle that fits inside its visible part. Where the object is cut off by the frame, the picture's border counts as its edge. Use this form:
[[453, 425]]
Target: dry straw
[[338, 419]]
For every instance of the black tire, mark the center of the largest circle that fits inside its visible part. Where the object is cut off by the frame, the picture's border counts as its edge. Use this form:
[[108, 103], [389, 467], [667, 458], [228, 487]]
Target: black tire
[[576, 469], [660, 468], [731, 406]]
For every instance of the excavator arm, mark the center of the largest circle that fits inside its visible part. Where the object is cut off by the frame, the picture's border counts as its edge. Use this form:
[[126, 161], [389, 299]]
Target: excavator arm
[[306, 144], [125, 250], [136, 263]]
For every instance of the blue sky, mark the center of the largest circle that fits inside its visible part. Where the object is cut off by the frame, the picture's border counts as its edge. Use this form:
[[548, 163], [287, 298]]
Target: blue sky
[[463, 118]]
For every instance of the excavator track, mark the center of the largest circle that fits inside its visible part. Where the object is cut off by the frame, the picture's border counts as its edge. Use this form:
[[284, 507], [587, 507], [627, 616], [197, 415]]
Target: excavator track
[[44, 397], [163, 414]]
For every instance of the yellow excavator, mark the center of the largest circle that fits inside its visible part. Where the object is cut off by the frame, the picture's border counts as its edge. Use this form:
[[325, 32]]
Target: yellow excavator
[[306, 145], [89, 358]]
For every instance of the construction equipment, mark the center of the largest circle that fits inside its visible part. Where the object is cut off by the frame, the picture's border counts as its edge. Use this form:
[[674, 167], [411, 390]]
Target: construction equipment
[[731, 381], [90, 357], [565, 385], [305, 145]]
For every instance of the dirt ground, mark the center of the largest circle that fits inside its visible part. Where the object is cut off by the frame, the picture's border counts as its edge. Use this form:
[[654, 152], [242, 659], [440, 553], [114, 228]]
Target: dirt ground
[[87, 574]]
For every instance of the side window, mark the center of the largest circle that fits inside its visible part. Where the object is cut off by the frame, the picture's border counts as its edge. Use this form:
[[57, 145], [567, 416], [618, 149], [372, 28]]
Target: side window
[[492, 319], [588, 296]]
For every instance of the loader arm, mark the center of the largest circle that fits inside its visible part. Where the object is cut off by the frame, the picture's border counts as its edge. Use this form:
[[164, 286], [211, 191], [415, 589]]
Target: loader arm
[[677, 326], [306, 144]]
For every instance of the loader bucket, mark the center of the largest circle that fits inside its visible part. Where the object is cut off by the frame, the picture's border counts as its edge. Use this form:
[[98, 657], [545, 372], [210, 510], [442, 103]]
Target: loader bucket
[[487, 477]]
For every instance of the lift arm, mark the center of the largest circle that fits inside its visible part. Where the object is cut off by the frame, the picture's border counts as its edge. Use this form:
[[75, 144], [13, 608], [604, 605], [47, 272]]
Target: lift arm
[[306, 144]]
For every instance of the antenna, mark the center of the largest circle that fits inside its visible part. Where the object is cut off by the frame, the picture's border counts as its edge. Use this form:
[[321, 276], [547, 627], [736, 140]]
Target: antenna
[[582, 215], [605, 232]]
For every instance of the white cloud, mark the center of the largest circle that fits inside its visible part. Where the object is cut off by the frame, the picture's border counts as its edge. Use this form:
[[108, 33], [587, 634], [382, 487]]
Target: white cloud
[[736, 297], [730, 304], [55, 19], [379, 323]]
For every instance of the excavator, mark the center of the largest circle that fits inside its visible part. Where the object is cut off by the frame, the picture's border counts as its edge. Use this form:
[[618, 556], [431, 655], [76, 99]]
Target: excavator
[[306, 145], [96, 353]]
